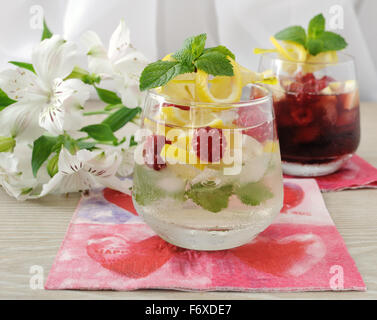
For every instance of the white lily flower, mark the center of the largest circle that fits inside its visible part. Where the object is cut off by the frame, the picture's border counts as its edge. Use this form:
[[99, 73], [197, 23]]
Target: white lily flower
[[45, 101], [121, 62], [86, 170], [16, 175]]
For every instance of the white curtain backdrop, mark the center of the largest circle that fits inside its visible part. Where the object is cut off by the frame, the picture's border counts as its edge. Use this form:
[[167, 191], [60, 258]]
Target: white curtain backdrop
[[159, 26]]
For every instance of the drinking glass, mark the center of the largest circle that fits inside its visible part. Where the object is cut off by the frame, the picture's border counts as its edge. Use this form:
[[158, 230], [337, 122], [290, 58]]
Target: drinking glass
[[317, 112], [208, 175]]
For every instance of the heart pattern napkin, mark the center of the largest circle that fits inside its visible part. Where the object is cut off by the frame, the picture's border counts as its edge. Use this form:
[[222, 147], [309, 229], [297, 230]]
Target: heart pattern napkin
[[355, 174], [108, 247]]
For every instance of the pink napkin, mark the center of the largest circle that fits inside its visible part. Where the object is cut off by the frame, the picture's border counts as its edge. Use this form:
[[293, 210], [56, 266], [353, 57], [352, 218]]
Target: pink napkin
[[107, 246], [355, 174]]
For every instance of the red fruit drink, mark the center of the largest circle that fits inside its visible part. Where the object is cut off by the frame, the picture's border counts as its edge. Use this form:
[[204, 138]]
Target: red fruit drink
[[318, 123]]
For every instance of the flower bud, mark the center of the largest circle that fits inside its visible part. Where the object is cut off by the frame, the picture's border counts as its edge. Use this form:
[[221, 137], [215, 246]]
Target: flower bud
[[7, 144], [52, 165]]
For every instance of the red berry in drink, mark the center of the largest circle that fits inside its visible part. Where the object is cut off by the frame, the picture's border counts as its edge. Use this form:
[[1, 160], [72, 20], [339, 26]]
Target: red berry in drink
[[151, 151], [209, 144]]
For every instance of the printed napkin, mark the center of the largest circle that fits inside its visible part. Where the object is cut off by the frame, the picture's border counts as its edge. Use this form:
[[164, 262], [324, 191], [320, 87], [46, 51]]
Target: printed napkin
[[108, 247], [355, 174]]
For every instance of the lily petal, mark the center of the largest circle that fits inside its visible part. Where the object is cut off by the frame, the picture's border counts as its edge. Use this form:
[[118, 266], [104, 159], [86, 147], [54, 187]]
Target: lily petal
[[54, 58], [20, 120], [21, 84], [119, 41], [131, 64]]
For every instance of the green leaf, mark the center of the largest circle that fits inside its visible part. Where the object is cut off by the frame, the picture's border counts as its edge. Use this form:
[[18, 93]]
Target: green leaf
[[132, 141], [42, 148], [295, 33], [210, 197], [25, 65], [46, 34], [86, 145], [221, 49], [253, 193], [108, 96], [100, 132], [215, 63], [332, 41], [314, 46], [192, 48], [158, 73], [316, 26], [5, 100], [119, 118]]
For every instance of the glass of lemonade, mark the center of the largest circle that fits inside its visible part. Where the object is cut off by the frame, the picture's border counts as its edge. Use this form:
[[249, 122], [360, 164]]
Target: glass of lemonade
[[208, 175]]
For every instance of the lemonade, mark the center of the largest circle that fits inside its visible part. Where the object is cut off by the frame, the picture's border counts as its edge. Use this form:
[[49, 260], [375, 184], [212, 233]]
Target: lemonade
[[208, 172]]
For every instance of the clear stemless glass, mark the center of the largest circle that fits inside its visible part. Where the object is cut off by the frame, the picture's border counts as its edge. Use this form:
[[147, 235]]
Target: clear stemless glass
[[317, 113], [208, 175]]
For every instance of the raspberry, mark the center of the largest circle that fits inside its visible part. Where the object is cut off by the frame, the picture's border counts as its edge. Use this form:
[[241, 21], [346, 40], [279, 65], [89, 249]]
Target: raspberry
[[151, 151], [209, 144]]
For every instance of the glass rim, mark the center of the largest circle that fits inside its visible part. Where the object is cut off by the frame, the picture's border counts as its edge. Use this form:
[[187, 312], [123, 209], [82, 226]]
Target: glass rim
[[348, 58], [226, 105]]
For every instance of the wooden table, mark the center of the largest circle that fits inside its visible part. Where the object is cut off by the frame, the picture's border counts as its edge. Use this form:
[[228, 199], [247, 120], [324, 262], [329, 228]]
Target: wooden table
[[31, 233]]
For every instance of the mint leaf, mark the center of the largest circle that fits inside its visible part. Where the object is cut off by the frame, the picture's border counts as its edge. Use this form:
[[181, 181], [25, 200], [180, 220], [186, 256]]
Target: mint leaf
[[5, 101], [119, 118], [221, 49], [192, 48], [316, 26], [145, 189], [158, 73], [295, 34], [210, 197], [42, 148], [314, 46], [253, 193], [25, 65], [332, 41], [100, 132], [46, 34], [108, 96], [215, 63]]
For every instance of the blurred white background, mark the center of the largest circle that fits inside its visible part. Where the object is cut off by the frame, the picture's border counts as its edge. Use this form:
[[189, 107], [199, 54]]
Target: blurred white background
[[159, 26]]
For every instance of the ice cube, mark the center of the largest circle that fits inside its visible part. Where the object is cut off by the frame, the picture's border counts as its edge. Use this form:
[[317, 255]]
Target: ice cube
[[325, 110], [250, 147], [171, 184], [327, 90], [254, 168], [347, 117], [349, 100]]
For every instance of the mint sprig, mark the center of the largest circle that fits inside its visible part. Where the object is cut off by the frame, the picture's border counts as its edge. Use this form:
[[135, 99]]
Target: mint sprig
[[253, 193], [192, 56], [210, 197], [316, 39]]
